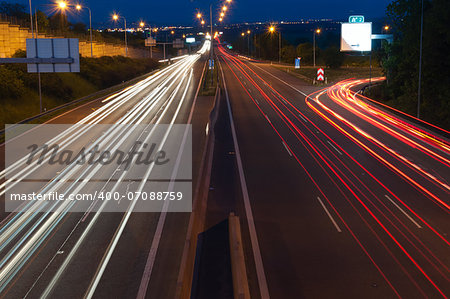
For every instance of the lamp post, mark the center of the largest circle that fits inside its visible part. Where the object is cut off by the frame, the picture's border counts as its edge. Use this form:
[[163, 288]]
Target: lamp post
[[79, 8], [212, 43], [31, 19], [272, 30], [420, 62], [248, 42], [279, 46], [317, 31], [115, 18], [62, 6]]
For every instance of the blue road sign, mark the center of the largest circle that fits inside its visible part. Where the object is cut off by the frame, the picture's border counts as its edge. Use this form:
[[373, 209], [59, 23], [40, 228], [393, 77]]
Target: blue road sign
[[297, 63]]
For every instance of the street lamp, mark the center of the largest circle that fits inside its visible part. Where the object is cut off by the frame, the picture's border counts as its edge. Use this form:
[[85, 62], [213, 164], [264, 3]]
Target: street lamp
[[79, 8], [317, 31], [224, 8], [116, 18], [62, 5], [141, 24], [199, 15], [386, 28]]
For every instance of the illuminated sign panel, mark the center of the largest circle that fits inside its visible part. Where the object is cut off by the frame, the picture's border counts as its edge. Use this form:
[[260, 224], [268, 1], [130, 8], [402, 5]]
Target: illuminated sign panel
[[356, 19], [190, 40], [356, 37]]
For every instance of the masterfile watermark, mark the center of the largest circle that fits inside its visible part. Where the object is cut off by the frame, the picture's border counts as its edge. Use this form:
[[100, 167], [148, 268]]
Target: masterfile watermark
[[139, 154], [98, 167]]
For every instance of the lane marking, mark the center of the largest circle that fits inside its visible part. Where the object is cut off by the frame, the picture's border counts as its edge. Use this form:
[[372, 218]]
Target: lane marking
[[148, 269], [403, 211], [335, 148], [285, 146], [262, 281], [303, 118], [329, 215]]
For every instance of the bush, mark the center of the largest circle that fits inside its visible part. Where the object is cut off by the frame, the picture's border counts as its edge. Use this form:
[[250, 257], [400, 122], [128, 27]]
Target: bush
[[305, 51], [333, 58], [11, 86]]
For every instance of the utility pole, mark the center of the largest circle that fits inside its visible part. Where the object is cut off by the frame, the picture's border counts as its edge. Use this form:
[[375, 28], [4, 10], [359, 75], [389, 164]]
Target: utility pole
[[31, 19], [90, 31], [126, 42], [314, 48]]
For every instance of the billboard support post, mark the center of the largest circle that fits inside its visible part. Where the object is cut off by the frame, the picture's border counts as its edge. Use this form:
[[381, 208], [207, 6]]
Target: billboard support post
[[370, 70], [49, 55]]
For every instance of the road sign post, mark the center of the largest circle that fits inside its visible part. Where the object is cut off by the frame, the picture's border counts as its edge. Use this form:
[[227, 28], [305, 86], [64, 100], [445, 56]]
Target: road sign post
[[320, 75], [150, 42], [178, 43]]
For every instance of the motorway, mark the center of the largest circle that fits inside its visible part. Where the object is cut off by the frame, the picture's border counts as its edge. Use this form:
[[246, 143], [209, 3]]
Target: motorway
[[340, 198], [58, 253]]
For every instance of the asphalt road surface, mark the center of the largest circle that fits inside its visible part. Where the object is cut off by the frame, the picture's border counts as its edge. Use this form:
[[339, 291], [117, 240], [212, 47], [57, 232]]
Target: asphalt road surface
[[340, 198]]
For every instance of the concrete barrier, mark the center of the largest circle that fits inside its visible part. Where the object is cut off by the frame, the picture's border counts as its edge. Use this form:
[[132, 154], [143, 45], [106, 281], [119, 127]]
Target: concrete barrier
[[238, 269], [13, 38], [197, 220]]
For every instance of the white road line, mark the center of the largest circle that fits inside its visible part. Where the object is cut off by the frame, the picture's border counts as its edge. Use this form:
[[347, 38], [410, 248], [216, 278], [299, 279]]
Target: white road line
[[285, 146], [262, 281], [303, 118], [267, 118], [329, 215], [403, 211], [157, 237], [331, 144]]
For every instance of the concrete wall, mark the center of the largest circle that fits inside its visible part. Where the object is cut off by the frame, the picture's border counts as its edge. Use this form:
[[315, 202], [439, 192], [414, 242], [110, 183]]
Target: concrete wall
[[13, 38]]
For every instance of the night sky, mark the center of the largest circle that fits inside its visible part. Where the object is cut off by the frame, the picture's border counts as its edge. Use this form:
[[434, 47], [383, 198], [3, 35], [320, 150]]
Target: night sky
[[181, 12]]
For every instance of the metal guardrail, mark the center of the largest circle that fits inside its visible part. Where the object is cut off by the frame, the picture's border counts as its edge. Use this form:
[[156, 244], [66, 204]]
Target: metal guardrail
[[109, 91], [36, 60]]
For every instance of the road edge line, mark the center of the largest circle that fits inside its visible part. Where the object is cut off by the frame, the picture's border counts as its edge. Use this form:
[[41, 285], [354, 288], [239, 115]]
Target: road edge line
[[262, 281]]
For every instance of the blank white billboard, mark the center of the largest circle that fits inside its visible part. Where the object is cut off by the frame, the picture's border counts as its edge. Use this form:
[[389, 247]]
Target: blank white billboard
[[53, 48], [356, 36]]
